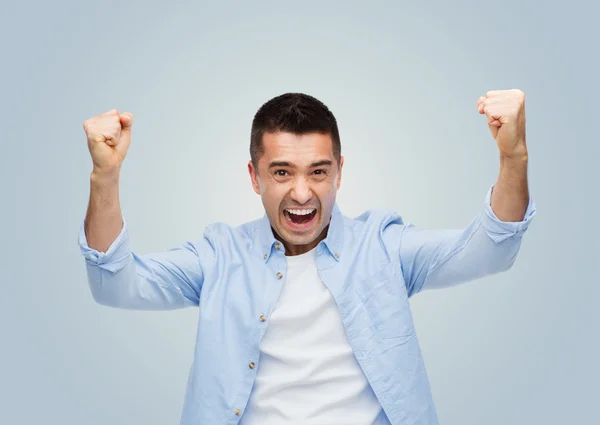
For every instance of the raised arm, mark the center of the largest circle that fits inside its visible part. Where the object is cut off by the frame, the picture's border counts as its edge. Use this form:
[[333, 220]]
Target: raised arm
[[432, 259], [505, 112], [118, 277], [108, 139]]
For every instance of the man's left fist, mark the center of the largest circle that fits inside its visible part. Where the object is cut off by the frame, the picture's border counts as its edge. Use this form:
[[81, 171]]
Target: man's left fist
[[505, 111]]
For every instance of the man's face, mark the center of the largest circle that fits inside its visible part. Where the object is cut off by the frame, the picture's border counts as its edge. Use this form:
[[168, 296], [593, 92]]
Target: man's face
[[297, 179]]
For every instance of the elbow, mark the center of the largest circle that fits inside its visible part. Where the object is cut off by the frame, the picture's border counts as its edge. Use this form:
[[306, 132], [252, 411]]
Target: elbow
[[99, 289], [108, 291], [112, 288], [503, 259], [104, 297], [505, 265]]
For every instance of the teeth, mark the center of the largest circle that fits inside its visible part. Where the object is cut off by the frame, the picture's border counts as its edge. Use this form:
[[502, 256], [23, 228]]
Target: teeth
[[301, 212]]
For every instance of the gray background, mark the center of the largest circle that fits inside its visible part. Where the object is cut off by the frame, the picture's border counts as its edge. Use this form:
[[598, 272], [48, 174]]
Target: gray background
[[402, 79]]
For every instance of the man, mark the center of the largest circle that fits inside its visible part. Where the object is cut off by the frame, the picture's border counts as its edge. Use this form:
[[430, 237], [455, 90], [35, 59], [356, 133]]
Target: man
[[304, 315]]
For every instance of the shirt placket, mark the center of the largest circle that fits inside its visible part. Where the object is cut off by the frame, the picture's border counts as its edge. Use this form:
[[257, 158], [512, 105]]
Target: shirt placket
[[277, 271]]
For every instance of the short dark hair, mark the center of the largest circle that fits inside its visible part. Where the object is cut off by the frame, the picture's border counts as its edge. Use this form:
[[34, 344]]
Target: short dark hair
[[295, 113]]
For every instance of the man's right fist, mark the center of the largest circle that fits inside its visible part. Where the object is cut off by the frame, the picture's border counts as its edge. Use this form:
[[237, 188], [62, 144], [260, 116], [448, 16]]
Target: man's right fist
[[108, 138]]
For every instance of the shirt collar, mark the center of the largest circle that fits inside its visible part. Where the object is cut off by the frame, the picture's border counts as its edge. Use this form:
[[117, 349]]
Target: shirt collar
[[333, 241]]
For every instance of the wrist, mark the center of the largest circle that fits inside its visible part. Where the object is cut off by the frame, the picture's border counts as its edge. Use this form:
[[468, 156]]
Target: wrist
[[518, 155], [514, 165], [105, 177]]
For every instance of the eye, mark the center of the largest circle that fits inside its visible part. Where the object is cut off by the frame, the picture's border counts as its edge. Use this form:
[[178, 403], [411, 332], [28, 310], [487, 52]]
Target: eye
[[281, 173], [320, 172]]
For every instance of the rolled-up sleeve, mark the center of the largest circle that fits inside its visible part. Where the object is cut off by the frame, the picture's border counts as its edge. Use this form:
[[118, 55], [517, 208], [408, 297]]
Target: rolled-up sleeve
[[500, 230], [157, 281], [432, 259], [116, 256]]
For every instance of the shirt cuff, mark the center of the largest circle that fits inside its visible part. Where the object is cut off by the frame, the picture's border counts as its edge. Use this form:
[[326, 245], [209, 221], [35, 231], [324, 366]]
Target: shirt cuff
[[500, 230], [115, 258]]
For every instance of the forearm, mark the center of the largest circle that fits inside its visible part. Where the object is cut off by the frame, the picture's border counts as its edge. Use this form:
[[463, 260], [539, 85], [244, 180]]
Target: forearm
[[510, 195], [103, 220]]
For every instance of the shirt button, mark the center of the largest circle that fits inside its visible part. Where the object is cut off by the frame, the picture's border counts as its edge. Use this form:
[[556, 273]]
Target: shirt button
[[265, 256], [262, 318], [279, 275], [238, 411], [277, 246], [337, 255], [251, 365]]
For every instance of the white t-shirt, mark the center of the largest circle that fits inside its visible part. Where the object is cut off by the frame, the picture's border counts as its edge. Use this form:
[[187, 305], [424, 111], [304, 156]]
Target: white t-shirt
[[307, 373]]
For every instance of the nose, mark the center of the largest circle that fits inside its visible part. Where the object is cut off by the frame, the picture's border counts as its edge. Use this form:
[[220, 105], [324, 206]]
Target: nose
[[301, 192]]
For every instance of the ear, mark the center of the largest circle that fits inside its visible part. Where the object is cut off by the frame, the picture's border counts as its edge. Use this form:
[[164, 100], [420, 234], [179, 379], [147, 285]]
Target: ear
[[339, 176], [253, 177]]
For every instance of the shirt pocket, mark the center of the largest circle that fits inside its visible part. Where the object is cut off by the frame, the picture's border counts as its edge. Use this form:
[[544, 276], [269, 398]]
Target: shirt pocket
[[384, 298]]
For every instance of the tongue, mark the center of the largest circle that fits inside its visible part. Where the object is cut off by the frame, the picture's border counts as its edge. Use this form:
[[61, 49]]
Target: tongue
[[300, 219]]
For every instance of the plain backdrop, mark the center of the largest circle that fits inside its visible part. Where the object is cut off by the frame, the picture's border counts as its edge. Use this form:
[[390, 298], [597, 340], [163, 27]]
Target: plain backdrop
[[402, 79]]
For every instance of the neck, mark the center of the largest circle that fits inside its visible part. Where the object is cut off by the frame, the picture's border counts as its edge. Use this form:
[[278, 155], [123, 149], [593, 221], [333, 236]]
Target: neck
[[292, 250]]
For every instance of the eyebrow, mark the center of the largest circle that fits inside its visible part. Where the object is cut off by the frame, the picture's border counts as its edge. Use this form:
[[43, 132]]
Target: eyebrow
[[288, 164]]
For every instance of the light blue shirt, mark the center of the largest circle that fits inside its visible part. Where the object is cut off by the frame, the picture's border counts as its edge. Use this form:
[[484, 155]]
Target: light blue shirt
[[372, 264]]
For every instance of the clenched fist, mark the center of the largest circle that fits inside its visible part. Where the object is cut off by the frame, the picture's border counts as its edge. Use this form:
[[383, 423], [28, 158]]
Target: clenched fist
[[505, 111], [108, 138]]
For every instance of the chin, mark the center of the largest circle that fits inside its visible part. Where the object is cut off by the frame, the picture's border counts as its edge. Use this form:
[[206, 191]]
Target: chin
[[302, 240]]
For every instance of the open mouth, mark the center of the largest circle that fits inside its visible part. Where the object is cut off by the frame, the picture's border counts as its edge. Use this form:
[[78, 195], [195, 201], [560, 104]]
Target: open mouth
[[300, 218]]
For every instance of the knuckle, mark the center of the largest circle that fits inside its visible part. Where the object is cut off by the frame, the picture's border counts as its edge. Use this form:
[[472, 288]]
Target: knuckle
[[96, 137]]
